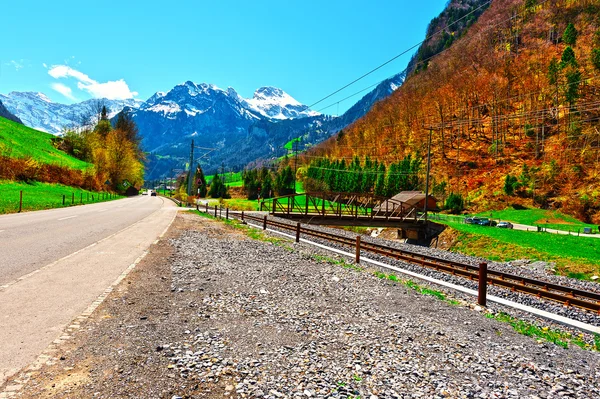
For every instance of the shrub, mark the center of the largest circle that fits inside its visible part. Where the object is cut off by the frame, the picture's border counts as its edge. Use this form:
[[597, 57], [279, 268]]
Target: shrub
[[455, 203], [511, 184]]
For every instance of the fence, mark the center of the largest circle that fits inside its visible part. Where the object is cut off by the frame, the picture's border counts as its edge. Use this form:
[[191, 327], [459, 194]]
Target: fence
[[36, 201]]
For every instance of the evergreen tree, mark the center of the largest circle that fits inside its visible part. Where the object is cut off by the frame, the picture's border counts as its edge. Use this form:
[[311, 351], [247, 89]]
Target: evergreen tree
[[200, 181], [380, 188], [570, 35], [266, 188], [568, 58], [251, 183], [218, 189], [284, 181]]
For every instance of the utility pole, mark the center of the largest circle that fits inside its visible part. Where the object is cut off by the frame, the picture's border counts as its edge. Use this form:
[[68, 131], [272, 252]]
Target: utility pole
[[428, 170], [295, 162], [191, 176]]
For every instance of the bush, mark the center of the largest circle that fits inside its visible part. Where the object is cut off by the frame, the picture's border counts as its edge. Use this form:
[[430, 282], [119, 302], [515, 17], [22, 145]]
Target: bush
[[455, 203], [511, 184]]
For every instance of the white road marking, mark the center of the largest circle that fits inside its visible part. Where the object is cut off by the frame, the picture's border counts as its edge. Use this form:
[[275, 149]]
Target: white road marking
[[68, 217], [2, 231]]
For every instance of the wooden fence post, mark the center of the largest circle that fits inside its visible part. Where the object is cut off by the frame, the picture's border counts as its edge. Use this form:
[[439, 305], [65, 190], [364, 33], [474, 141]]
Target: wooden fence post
[[215, 211], [298, 232], [357, 250], [482, 297], [64, 196], [227, 214], [265, 223], [20, 201]]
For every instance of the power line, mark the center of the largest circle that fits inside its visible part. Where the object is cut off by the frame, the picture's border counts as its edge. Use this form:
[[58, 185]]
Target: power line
[[398, 56], [425, 60]]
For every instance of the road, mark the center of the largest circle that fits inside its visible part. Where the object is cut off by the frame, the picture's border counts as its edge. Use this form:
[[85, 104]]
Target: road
[[31, 240], [526, 227], [54, 264]]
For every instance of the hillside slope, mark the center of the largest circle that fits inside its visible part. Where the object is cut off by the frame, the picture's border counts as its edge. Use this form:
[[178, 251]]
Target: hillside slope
[[516, 96], [5, 113], [18, 141]]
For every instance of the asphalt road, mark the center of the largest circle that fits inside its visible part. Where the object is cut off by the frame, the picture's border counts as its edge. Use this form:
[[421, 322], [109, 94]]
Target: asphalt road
[[56, 265], [32, 240]]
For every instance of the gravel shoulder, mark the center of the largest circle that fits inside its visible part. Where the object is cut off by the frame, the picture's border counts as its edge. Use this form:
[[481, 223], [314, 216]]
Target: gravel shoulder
[[212, 313]]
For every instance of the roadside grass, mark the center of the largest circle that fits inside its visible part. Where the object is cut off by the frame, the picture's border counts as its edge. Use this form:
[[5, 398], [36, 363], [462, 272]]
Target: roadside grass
[[254, 234], [37, 196], [18, 141], [579, 256], [420, 289], [557, 337], [235, 204]]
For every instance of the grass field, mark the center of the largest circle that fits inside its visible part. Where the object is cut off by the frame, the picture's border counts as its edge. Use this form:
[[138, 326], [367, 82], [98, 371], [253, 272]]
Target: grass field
[[290, 144], [575, 256], [232, 179], [18, 141], [539, 217], [38, 196]]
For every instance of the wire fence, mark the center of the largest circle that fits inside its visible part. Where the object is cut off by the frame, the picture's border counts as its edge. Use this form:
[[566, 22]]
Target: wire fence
[[24, 200]]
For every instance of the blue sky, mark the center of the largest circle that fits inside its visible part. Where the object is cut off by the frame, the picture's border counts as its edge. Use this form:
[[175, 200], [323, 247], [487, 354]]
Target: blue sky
[[75, 50]]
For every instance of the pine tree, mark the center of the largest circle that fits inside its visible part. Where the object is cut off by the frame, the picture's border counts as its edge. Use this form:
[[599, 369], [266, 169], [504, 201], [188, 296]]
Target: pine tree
[[380, 188], [570, 35], [200, 181], [568, 58]]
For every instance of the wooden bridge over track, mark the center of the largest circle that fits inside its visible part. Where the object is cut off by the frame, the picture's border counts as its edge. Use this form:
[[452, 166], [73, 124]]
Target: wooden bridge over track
[[352, 209]]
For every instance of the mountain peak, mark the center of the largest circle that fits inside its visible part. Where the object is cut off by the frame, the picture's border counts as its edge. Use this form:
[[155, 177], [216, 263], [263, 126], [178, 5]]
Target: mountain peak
[[269, 91], [31, 94], [275, 103]]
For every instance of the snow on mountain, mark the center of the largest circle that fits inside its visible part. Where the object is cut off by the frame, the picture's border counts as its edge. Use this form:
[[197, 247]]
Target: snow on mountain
[[39, 112], [275, 103], [5, 113]]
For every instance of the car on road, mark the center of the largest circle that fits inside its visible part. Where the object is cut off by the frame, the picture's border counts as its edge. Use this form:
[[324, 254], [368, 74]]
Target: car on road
[[504, 225], [486, 222], [152, 193], [472, 220]]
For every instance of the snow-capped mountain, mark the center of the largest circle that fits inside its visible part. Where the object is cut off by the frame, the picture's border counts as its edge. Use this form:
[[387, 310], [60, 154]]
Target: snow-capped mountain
[[5, 113], [240, 129], [275, 103], [39, 112]]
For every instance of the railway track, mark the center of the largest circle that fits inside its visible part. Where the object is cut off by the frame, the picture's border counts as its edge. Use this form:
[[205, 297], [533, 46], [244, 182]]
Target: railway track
[[567, 296]]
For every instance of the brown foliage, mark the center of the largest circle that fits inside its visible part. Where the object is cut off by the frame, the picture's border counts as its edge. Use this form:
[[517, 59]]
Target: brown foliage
[[28, 169], [492, 109]]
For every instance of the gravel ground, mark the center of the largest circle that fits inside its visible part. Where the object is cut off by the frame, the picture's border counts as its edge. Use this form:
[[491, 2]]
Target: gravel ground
[[518, 268], [212, 313]]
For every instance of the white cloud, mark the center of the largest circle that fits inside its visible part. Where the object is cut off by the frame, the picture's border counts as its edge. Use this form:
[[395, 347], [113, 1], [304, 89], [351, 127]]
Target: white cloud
[[113, 90], [64, 90], [18, 65]]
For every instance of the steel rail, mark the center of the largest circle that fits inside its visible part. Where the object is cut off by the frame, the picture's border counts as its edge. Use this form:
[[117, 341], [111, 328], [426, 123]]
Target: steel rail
[[567, 296]]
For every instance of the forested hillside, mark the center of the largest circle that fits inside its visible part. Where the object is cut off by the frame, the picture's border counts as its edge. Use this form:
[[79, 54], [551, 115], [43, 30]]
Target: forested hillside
[[512, 106]]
